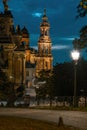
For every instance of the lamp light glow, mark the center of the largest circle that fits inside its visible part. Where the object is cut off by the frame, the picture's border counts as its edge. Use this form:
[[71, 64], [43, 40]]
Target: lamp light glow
[[75, 55]]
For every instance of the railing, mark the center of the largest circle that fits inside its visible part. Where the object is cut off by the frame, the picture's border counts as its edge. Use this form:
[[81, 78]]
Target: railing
[[61, 101], [66, 101]]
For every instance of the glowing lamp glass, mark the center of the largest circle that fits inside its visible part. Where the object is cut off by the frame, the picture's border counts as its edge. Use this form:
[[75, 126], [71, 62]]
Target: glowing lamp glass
[[75, 55]]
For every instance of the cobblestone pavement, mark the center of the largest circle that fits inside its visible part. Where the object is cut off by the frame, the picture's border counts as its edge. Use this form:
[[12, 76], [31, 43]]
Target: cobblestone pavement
[[72, 118]]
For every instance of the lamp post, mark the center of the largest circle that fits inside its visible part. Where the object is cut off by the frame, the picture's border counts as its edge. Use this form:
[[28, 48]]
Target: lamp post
[[75, 56]]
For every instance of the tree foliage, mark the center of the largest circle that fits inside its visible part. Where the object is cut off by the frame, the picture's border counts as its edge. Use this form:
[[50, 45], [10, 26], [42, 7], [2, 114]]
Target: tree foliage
[[82, 8], [64, 78], [20, 91], [6, 87], [47, 89], [81, 42], [61, 80]]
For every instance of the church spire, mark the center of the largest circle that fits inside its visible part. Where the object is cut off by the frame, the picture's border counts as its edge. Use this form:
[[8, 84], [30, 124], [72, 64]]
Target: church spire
[[44, 42], [5, 5], [44, 18], [44, 57], [44, 11]]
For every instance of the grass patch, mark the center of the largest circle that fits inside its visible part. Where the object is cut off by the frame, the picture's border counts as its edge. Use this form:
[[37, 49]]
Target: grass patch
[[18, 123]]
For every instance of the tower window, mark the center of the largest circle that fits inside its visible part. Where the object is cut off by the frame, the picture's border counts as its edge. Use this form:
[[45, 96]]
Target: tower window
[[46, 65], [46, 51], [46, 33]]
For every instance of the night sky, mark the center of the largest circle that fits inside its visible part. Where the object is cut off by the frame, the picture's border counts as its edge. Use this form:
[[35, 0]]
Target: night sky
[[61, 15]]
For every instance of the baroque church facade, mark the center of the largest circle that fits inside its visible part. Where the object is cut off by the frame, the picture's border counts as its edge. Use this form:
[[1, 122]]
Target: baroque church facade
[[21, 62]]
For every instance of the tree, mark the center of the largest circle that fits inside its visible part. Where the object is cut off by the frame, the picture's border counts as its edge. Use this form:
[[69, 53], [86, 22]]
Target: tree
[[81, 42], [63, 79], [60, 82], [82, 8], [46, 89], [50, 89], [6, 87], [20, 91]]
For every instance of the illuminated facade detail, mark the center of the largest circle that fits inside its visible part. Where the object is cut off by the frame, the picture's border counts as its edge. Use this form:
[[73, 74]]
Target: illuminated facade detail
[[16, 57]]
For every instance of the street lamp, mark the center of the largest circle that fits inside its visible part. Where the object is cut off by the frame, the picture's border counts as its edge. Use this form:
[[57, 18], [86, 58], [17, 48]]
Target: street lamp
[[75, 56]]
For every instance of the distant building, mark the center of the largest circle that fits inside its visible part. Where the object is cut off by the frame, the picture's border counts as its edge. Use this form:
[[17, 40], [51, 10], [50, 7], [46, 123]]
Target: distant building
[[21, 62], [30, 73]]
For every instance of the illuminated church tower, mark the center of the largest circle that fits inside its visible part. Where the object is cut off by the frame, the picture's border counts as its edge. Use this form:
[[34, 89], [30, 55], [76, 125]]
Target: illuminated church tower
[[44, 58]]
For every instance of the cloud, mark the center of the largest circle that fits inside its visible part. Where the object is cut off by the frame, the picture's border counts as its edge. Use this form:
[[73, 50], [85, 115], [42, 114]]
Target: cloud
[[66, 38], [69, 38], [57, 47], [60, 47], [37, 14]]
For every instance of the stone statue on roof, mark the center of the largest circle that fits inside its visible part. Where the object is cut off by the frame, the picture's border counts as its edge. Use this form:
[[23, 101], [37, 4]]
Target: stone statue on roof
[[5, 5]]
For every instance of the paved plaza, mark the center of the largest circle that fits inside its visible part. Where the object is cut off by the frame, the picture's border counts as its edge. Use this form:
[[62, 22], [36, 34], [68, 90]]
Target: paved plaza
[[71, 118]]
